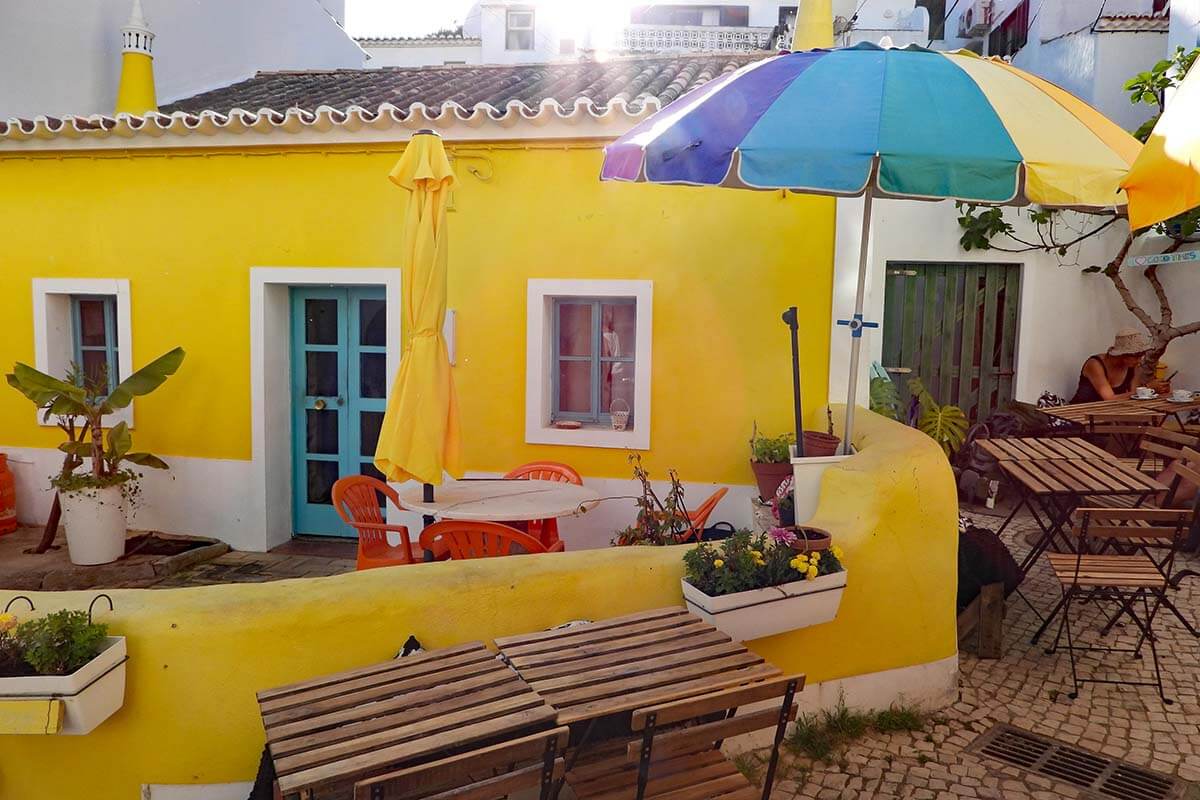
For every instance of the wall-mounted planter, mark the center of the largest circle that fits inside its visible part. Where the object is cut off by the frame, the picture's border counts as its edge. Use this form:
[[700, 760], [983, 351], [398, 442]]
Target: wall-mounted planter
[[775, 609], [86, 697]]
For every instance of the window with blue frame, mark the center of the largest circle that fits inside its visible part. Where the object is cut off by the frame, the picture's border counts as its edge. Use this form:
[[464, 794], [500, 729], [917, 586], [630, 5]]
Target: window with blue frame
[[593, 359], [94, 336]]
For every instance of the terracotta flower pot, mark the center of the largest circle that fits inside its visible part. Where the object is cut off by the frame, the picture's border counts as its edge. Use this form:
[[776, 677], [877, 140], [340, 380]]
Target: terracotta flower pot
[[769, 476], [817, 443], [810, 540]]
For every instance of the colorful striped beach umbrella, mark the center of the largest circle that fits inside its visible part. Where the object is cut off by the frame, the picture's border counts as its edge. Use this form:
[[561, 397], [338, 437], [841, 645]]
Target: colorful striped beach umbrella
[[896, 123]]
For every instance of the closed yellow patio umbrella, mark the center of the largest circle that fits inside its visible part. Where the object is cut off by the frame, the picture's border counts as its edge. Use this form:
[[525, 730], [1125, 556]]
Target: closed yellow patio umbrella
[[1165, 178], [420, 437]]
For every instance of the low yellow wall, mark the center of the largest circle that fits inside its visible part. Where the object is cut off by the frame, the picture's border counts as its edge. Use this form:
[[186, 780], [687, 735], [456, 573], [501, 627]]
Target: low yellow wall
[[197, 656]]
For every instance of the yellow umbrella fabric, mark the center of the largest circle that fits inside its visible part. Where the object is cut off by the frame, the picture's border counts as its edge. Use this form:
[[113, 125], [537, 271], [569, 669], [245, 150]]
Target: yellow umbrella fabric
[[1165, 178], [420, 437]]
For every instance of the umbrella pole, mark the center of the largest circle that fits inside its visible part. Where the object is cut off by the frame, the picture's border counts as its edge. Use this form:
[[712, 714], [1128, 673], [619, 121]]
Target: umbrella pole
[[791, 318], [856, 324], [427, 519]]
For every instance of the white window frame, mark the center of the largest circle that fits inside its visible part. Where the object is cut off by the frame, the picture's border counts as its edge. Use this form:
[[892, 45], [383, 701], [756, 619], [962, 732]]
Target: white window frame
[[509, 29], [538, 356], [53, 337]]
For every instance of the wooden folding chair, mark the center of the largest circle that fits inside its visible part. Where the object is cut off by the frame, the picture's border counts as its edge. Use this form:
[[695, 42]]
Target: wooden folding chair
[[531, 762], [1126, 579], [1123, 431], [675, 762]]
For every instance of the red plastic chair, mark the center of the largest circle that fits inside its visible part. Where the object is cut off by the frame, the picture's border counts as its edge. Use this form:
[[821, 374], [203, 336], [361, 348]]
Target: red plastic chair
[[472, 539], [356, 500], [699, 518], [545, 530]]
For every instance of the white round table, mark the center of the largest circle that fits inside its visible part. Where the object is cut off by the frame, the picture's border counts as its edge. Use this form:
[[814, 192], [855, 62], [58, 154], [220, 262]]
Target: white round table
[[499, 500]]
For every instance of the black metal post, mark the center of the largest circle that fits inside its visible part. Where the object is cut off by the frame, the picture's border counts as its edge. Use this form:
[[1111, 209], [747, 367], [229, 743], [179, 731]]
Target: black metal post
[[427, 519], [793, 322]]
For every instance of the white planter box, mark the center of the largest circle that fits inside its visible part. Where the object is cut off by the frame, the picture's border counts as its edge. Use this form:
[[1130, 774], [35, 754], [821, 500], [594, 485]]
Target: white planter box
[[806, 483], [90, 694], [766, 612]]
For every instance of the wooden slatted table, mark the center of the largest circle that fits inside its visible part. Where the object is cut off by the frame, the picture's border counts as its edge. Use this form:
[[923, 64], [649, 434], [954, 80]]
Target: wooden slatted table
[[615, 666], [1054, 475], [1080, 413], [327, 733]]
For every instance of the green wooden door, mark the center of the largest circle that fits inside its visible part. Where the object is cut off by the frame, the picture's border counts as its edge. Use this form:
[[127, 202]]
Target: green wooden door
[[955, 327]]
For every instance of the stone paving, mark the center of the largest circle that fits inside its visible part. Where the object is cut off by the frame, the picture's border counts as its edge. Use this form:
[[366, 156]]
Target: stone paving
[[241, 567], [1028, 688]]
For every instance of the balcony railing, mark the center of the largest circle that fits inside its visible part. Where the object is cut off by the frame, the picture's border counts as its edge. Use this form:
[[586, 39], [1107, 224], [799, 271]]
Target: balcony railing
[[694, 38]]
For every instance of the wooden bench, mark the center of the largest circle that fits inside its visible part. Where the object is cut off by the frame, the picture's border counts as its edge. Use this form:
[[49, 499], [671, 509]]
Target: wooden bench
[[533, 761], [673, 760]]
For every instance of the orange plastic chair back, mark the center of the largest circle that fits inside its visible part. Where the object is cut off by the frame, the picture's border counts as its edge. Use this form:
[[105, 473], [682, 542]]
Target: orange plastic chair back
[[699, 518], [356, 500], [472, 539], [546, 471]]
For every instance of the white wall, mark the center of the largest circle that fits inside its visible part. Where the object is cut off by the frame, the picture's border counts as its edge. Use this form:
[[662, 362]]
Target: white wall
[[61, 57], [1185, 25], [1064, 316], [423, 55]]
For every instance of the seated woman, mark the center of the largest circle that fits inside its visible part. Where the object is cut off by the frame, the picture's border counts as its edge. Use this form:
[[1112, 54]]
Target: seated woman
[[1113, 375]]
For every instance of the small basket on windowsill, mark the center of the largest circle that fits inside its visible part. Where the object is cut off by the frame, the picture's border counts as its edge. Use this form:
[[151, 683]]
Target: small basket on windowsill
[[619, 410]]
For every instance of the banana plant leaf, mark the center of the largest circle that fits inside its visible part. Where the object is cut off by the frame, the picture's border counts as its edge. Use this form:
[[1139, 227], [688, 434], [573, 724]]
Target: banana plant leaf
[[146, 379]]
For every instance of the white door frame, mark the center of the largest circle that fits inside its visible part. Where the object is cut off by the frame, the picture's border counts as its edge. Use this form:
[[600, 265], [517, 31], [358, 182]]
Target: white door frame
[[270, 381]]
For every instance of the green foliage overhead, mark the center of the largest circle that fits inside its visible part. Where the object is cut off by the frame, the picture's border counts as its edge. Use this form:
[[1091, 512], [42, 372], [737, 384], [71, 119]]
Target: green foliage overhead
[[60, 643], [1150, 86]]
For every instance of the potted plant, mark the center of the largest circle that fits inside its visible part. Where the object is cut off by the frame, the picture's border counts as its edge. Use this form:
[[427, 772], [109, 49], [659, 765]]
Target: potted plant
[[95, 480], [756, 585], [770, 458], [64, 658], [660, 521]]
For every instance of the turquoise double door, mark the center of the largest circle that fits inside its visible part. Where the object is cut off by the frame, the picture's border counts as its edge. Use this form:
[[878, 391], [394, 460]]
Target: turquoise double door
[[339, 394]]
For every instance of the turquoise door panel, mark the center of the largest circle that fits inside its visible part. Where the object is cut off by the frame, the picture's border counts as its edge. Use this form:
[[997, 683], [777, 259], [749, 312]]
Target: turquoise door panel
[[339, 390]]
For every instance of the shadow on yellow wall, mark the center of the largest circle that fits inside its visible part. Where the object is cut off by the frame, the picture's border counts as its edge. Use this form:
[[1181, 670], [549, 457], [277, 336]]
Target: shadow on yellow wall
[[197, 656]]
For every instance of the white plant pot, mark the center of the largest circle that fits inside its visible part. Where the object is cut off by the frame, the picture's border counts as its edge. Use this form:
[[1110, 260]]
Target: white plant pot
[[775, 609], [95, 523], [806, 483], [90, 694]]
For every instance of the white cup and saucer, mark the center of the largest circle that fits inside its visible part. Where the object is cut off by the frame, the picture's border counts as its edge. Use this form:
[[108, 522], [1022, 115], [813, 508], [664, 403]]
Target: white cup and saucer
[[1144, 393], [1182, 396]]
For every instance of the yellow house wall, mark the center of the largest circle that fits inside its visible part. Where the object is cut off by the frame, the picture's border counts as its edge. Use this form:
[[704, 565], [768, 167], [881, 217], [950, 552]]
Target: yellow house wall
[[197, 656], [185, 227]]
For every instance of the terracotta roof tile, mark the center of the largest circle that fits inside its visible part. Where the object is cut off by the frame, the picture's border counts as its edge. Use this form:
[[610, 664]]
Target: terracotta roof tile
[[632, 80]]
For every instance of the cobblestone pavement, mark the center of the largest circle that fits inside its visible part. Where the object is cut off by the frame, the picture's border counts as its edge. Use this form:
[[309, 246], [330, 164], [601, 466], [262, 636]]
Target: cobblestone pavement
[[1028, 688], [240, 567]]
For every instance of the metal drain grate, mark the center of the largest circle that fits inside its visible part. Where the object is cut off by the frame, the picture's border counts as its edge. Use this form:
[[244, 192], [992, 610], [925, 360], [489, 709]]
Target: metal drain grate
[[1098, 775]]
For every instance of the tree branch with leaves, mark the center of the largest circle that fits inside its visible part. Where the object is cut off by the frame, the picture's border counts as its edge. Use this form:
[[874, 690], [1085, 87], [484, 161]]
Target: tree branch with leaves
[[987, 228]]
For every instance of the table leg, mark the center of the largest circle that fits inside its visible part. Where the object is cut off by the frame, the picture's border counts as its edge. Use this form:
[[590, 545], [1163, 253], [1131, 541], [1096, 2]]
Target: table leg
[[570, 762]]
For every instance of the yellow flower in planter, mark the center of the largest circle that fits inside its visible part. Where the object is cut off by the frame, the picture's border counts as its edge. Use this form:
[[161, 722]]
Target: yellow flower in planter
[[718, 563], [837, 552], [7, 622], [812, 572]]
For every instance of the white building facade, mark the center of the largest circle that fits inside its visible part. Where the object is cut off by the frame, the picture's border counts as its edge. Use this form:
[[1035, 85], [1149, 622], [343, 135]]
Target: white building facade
[[60, 57]]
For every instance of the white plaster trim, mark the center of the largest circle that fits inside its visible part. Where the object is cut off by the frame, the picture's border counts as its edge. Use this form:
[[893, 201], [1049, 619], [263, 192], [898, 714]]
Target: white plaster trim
[[53, 347], [270, 381], [538, 336], [196, 791], [355, 125], [928, 686]]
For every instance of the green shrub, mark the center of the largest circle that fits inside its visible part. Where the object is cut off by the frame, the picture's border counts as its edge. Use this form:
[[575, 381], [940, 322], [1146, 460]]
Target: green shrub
[[60, 643], [771, 449]]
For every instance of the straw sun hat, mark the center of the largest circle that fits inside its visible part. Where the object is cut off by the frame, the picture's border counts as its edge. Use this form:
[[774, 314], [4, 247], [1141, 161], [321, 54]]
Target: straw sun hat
[[1129, 342]]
